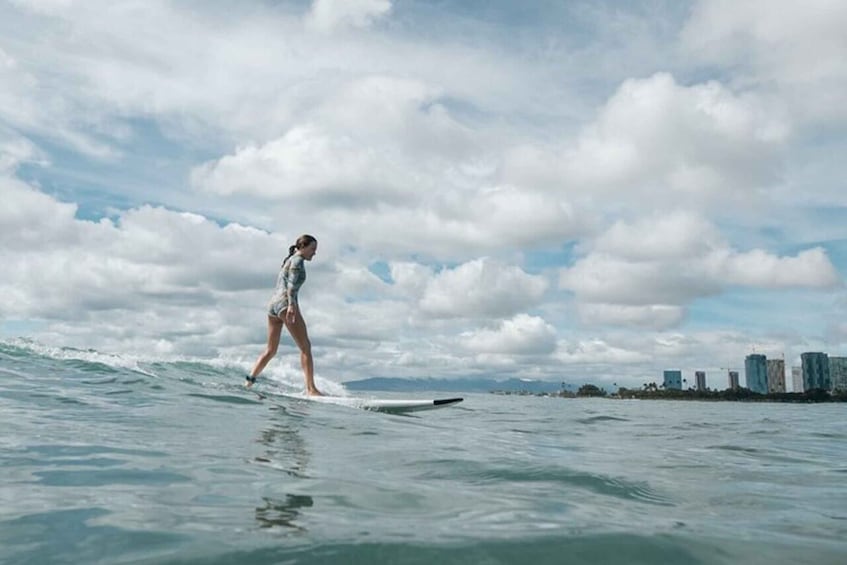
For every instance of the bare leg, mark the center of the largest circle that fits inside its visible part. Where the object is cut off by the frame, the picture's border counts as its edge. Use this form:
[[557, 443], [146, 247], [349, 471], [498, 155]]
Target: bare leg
[[274, 331], [297, 329]]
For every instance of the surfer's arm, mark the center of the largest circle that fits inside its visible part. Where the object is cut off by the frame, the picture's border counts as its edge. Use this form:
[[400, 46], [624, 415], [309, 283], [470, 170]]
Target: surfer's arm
[[296, 277]]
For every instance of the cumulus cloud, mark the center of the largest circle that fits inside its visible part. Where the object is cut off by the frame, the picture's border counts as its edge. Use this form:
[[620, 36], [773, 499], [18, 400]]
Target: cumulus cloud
[[611, 280], [409, 279], [520, 335], [687, 143], [652, 316], [797, 48], [659, 144], [58, 265], [194, 72], [517, 217], [384, 155], [618, 283], [796, 40], [810, 268], [330, 15], [379, 139], [676, 235], [308, 163], [482, 288], [594, 352]]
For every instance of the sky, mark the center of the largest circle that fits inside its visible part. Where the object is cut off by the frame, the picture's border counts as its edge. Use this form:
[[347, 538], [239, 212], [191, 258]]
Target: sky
[[575, 191]]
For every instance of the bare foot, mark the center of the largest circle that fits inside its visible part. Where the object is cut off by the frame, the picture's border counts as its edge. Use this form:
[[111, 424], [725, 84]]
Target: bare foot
[[248, 381], [314, 392]]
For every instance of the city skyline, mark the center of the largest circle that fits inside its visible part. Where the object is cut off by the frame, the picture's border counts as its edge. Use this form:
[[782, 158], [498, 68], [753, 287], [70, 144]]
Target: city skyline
[[817, 370]]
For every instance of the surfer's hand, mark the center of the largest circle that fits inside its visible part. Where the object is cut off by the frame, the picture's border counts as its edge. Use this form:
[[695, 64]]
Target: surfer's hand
[[291, 313]]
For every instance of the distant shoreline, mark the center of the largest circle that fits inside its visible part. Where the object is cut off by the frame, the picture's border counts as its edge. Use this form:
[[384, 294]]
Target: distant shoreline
[[729, 395]]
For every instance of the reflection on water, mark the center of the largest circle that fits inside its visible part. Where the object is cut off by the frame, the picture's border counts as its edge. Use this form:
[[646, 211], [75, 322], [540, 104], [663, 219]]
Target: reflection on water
[[286, 448], [285, 451], [282, 512]]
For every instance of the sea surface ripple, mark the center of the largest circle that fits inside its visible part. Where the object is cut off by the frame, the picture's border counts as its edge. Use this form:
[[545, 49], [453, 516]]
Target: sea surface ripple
[[104, 461]]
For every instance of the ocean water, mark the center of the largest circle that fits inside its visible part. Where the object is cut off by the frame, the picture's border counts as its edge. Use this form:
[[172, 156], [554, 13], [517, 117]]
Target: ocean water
[[104, 460]]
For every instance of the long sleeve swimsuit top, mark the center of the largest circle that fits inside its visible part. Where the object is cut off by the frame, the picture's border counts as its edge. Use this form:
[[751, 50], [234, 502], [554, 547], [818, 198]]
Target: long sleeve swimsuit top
[[291, 277]]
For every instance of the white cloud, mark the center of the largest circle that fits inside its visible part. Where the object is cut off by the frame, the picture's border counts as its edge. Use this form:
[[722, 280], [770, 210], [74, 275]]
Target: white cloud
[[672, 236], [657, 144], [361, 331], [354, 280], [30, 103], [49, 7], [594, 352], [482, 288], [409, 279], [330, 15], [810, 268], [379, 139], [789, 41], [677, 145], [796, 49], [306, 162], [7, 62], [520, 335], [653, 316], [618, 283], [384, 155], [607, 279], [31, 220], [517, 217], [16, 150], [59, 266]]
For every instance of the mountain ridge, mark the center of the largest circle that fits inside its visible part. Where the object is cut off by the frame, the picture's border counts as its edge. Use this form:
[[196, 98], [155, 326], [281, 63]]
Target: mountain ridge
[[457, 385]]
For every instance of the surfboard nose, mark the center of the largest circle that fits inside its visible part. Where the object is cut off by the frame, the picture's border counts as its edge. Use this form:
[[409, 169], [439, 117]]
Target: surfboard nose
[[443, 401]]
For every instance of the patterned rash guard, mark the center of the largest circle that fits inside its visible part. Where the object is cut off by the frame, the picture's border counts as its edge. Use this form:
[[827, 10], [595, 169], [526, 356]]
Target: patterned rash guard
[[291, 277]]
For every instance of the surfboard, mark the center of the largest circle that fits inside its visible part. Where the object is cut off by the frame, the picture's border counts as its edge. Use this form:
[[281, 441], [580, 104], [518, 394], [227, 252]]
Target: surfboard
[[394, 405]]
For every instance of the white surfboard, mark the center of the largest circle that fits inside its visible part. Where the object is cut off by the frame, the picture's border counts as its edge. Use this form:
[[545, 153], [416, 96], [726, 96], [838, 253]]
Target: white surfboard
[[394, 405]]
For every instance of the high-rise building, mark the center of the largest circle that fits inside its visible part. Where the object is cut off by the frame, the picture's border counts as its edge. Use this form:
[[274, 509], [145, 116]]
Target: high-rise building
[[815, 371], [673, 380], [756, 369], [797, 379], [700, 377], [838, 373], [733, 380], [776, 375]]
